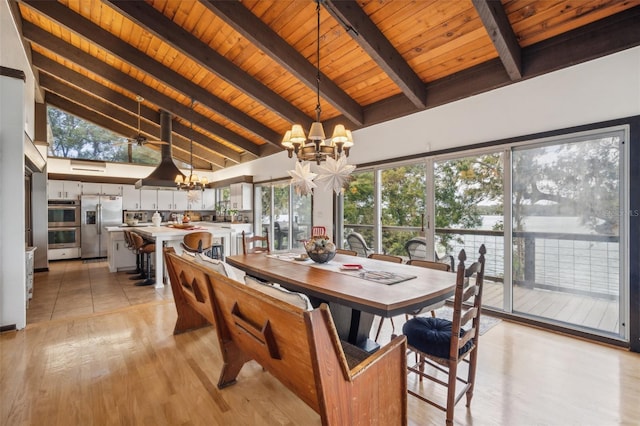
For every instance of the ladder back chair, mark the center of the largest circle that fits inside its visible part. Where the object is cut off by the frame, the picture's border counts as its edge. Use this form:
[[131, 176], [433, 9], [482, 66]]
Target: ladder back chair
[[255, 244], [392, 259], [385, 257], [318, 231], [444, 344], [347, 252], [431, 265]]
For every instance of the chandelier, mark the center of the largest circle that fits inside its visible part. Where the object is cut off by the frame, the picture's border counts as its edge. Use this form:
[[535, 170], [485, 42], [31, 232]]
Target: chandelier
[[191, 182], [317, 148]]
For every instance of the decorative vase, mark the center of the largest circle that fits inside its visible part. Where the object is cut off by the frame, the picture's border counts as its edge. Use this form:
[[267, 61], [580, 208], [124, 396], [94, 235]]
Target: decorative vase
[[156, 219]]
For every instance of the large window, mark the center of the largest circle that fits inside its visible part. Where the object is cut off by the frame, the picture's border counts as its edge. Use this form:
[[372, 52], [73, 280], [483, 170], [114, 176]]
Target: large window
[[284, 214], [556, 205], [566, 220], [77, 138]]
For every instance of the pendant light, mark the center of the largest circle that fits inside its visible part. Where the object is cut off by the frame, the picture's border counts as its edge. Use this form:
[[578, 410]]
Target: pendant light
[[316, 147], [191, 182]]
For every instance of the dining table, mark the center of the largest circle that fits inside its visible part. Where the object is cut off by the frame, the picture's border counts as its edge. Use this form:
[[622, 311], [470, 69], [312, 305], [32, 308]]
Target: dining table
[[355, 288]]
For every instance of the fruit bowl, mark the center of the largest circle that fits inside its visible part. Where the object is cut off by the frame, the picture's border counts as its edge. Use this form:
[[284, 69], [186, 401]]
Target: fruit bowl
[[320, 249]]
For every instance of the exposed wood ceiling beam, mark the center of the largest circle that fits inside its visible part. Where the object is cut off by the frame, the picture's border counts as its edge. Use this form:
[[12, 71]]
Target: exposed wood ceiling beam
[[601, 38], [53, 85], [97, 67], [102, 121], [252, 28], [54, 68], [156, 23], [497, 24], [372, 41], [127, 53]]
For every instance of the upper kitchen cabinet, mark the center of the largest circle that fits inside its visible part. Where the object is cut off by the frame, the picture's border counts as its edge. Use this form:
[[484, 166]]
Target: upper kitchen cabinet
[[130, 198], [149, 199], [64, 190], [209, 199], [241, 196], [181, 201], [91, 188]]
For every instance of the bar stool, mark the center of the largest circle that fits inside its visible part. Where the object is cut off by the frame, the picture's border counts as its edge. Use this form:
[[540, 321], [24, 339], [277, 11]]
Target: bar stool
[[144, 249], [129, 242], [198, 242], [217, 249]]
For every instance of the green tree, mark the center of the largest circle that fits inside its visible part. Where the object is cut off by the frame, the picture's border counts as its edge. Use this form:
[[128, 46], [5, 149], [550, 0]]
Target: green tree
[[77, 138]]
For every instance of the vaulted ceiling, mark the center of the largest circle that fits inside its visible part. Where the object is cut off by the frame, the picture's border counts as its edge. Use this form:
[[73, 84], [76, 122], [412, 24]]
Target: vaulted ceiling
[[250, 65]]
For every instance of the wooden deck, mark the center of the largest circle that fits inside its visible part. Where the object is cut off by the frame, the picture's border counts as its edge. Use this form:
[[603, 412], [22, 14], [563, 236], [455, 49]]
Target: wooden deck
[[584, 311]]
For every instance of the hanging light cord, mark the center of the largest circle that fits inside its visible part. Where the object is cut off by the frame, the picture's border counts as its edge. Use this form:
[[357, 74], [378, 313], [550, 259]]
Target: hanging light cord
[[318, 67], [191, 137]]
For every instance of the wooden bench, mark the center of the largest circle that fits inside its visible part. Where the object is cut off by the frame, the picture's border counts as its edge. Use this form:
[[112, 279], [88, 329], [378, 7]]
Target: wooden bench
[[300, 348]]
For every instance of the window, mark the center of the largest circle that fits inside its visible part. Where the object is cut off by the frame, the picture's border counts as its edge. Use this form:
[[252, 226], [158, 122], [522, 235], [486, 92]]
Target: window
[[557, 205], [284, 214]]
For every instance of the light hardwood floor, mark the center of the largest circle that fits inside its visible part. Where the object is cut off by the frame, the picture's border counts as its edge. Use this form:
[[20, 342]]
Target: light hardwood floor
[[123, 366]]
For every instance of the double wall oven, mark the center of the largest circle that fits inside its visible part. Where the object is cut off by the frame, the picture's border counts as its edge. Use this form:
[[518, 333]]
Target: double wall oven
[[64, 224]]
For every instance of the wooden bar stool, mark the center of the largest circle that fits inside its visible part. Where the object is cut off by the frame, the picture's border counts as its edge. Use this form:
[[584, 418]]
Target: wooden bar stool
[[145, 249]]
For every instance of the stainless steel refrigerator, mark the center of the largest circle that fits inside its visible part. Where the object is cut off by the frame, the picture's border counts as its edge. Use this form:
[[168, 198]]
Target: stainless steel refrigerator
[[98, 211]]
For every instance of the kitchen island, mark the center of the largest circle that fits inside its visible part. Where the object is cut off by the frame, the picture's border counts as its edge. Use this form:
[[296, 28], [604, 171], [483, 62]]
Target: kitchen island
[[167, 236]]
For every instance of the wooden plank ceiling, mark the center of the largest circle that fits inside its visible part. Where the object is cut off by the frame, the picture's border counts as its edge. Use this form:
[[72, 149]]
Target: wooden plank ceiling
[[250, 66]]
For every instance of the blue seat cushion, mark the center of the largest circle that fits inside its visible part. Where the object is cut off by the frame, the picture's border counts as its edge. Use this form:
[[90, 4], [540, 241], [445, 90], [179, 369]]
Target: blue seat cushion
[[432, 336]]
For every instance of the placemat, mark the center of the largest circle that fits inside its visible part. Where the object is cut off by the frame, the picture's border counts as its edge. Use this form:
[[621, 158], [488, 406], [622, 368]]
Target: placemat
[[380, 277]]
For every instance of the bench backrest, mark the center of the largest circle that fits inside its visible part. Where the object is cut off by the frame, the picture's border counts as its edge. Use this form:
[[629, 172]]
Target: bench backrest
[[300, 348]]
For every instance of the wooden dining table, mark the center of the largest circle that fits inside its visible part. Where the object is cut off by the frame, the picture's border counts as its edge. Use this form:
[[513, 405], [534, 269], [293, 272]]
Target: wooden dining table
[[353, 299]]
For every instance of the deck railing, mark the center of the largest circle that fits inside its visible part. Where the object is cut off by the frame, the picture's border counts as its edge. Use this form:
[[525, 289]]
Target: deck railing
[[574, 263]]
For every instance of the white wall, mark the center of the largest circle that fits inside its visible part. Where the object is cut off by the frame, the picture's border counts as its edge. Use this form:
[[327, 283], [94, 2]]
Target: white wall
[[599, 90]]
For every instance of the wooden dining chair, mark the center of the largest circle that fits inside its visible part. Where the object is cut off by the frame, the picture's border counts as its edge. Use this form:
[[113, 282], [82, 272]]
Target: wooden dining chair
[[318, 230], [430, 265], [347, 252], [385, 257], [256, 243], [443, 344]]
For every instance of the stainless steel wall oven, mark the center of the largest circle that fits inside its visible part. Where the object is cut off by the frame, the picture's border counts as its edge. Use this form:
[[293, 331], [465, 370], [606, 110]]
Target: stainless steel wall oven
[[64, 224], [64, 237], [64, 213]]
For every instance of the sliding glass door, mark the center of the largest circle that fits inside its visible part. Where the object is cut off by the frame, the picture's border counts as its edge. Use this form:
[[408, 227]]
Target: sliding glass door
[[568, 215], [551, 212]]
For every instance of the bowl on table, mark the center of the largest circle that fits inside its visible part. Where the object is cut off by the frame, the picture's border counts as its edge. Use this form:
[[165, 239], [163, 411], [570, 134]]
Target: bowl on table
[[131, 222], [320, 249]]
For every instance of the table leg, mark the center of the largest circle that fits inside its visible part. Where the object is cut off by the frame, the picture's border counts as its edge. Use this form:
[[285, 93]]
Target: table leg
[[353, 326], [159, 263]]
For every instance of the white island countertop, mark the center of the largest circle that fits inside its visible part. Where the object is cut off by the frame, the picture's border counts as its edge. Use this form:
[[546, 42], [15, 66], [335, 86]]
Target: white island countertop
[[165, 234]]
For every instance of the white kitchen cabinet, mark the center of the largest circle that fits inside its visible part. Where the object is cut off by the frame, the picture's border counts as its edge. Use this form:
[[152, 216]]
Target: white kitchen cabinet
[[63, 190], [209, 199], [130, 198], [181, 201], [241, 198], [148, 199], [165, 200], [119, 256], [64, 253], [92, 188], [111, 189]]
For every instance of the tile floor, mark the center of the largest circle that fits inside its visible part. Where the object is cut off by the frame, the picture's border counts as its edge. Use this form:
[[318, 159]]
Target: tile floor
[[74, 288]]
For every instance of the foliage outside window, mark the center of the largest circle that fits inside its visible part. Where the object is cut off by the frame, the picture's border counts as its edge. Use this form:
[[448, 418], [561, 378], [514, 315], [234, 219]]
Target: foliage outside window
[[77, 138]]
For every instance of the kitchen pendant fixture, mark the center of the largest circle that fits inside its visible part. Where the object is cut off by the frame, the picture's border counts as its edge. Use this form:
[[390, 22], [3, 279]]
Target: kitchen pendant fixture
[[317, 148], [191, 182]]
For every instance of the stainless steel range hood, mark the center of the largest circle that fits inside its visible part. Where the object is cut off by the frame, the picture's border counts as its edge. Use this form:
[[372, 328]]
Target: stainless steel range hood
[[163, 177]]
